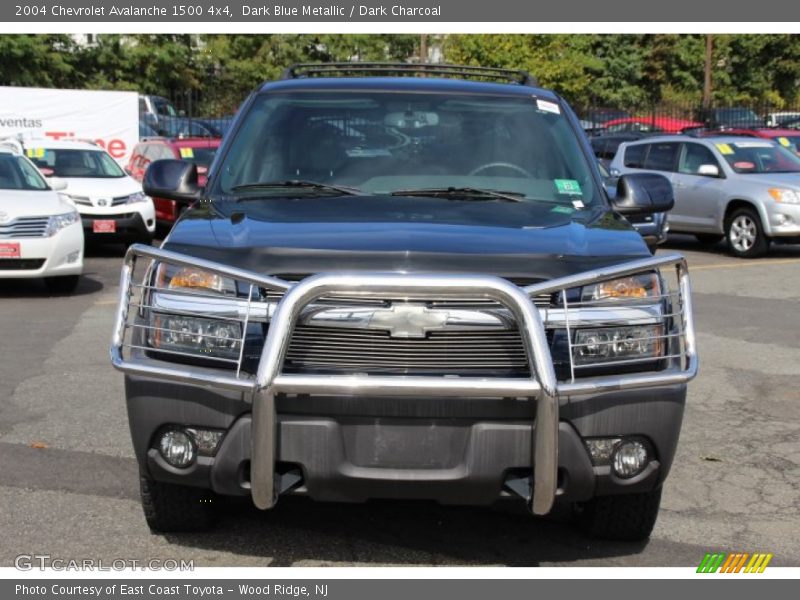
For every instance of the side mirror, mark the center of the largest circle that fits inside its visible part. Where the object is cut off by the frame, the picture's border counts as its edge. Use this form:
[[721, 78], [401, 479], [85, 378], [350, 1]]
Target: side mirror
[[708, 170], [172, 180], [642, 194], [57, 184]]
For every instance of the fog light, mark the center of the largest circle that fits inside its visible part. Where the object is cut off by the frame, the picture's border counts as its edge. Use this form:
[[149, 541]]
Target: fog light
[[206, 440], [73, 257], [600, 449], [177, 448], [629, 458]]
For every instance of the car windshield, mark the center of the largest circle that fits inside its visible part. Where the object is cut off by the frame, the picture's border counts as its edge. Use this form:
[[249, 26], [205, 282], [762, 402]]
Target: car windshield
[[16, 173], [68, 162], [383, 143], [758, 156], [790, 142], [162, 106], [202, 157]]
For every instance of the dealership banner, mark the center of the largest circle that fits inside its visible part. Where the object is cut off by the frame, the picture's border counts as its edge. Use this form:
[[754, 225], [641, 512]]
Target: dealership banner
[[256, 11], [109, 119]]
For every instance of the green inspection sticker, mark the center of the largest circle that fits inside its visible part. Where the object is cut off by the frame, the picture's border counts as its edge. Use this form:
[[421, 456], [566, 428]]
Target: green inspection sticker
[[569, 187], [567, 210]]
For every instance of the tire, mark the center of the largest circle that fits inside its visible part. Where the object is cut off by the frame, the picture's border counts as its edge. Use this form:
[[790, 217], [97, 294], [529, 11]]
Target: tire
[[169, 507], [627, 517], [708, 238], [745, 235], [62, 285]]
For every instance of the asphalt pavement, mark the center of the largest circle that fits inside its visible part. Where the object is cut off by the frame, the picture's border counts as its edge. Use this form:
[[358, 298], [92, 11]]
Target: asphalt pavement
[[68, 480]]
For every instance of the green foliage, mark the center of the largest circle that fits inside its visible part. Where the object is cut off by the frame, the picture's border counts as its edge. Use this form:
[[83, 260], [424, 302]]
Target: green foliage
[[628, 71]]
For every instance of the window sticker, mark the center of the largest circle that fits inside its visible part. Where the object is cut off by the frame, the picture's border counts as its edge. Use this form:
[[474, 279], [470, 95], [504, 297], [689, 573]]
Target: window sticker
[[725, 148], [754, 144], [35, 152], [577, 204], [562, 208], [568, 187], [784, 142], [546, 106], [187, 153]]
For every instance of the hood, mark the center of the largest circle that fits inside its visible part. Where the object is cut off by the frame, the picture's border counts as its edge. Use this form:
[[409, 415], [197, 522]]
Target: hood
[[310, 235], [96, 188], [30, 203]]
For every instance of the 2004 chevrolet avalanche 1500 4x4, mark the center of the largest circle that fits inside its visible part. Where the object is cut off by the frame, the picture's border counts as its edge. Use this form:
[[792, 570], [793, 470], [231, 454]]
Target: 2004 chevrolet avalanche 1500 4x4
[[400, 286]]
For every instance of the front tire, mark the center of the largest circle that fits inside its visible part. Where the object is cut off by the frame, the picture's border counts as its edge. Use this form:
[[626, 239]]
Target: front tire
[[169, 507], [746, 238], [62, 285], [627, 517]]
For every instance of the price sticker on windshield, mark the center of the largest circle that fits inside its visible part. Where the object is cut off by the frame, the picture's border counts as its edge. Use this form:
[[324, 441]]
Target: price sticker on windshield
[[784, 142], [35, 152], [546, 106], [187, 153], [568, 187], [725, 148]]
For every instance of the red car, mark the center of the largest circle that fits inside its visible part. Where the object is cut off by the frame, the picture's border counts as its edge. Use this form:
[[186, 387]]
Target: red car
[[649, 125], [788, 138], [197, 150]]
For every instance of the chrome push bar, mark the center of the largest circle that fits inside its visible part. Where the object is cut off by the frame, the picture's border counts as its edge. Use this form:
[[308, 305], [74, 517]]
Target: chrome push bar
[[542, 386]]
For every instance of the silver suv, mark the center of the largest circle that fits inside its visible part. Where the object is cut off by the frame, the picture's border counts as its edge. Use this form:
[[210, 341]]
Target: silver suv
[[745, 189]]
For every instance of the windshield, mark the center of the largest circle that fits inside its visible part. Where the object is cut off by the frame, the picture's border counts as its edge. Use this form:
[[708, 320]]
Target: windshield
[[16, 173], [380, 143], [162, 106], [64, 162], [202, 157], [790, 142], [759, 156]]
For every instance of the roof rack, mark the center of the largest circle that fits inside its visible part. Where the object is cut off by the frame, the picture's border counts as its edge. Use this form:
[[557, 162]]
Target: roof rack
[[340, 69]]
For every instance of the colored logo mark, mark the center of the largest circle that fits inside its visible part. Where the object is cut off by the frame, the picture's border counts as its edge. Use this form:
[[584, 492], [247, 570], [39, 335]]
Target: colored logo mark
[[737, 562]]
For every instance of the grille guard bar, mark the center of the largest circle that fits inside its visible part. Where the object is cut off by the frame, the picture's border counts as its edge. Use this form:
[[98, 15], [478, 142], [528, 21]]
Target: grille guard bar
[[542, 386]]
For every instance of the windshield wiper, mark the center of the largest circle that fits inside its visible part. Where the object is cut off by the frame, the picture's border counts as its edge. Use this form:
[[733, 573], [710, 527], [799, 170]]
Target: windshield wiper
[[295, 183], [467, 193]]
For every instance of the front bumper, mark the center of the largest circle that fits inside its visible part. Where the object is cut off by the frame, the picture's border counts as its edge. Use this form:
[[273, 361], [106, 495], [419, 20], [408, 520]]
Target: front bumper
[[56, 256], [130, 224], [540, 395]]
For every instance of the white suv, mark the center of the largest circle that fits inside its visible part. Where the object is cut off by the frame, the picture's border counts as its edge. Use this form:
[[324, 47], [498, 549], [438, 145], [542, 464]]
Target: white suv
[[111, 203], [40, 232]]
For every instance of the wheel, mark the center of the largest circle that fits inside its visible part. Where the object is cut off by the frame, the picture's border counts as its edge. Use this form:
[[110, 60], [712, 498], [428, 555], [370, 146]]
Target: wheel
[[169, 507], [745, 235], [708, 238], [627, 517], [62, 285], [501, 165]]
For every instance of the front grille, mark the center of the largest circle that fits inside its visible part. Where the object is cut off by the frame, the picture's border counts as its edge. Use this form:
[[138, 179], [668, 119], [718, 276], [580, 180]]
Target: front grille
[[24, 227], [334, 349], [21, 264], [119, 200]]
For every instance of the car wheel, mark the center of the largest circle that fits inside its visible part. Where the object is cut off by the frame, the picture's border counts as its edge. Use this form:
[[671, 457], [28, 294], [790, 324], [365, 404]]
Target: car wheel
[[708, 238], [627, 517], [62, 285], [745, 235], [169, 507]]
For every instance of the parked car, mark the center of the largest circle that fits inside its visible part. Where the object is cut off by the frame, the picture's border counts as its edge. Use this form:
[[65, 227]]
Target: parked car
[[200, 151], [649, 125], [652, 227], [604, 115], [154, 109], [40, 233], [184, 127], [780, 119], [112, 205], [788, 138], [405, 287], [730, 117], [746, 190], [605, 146]]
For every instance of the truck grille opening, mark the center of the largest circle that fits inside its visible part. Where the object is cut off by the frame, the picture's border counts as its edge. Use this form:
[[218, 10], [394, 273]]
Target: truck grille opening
[[475, 353]]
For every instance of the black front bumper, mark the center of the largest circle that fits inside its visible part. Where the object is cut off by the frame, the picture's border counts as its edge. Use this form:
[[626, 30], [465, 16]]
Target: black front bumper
[[453, 451]]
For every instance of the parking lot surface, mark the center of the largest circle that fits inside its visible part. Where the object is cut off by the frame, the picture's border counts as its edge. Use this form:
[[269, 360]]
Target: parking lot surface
[[68, 479]]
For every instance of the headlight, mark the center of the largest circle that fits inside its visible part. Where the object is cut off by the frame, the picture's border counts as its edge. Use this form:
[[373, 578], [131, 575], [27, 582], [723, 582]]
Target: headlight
[[169, 277], [59, 222], [137, 197], [611, 344], [202, 338], [636, 287], [784, 196]]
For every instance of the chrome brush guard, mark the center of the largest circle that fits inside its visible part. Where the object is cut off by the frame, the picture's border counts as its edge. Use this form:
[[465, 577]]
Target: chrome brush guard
[[139, 294]]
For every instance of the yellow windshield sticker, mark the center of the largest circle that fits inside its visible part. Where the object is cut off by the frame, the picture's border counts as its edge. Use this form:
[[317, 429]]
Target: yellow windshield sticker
[[35, 152], [187, 153], [784, 142], [725, 148]]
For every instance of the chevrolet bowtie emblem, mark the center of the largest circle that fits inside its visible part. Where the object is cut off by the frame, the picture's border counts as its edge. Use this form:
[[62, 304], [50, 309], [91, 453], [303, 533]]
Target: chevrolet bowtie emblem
[[408, 320]]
